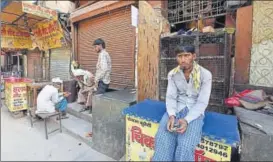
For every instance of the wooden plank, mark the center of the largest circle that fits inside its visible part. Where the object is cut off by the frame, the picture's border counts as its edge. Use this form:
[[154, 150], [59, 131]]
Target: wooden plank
[[150, 26], [243, 44], [14, 7], [85, 4]]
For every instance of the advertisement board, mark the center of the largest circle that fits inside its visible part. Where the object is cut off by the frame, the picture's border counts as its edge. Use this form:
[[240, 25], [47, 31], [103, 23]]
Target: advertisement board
[[15, 37], [48, 34], [39, 10], [16, 96], [140, 139]]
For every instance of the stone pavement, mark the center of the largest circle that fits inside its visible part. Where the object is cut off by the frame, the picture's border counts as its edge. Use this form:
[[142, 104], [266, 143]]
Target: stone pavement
[[20, 142]]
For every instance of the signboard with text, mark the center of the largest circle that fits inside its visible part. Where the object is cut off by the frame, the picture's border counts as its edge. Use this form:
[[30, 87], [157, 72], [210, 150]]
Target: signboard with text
[[15, 37], [213, 150], [16, 96], [140, 139], [39, 11], [48, 34]]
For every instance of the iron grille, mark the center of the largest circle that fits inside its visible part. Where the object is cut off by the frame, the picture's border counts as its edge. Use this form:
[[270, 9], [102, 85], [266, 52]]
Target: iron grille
[[188, 10], [213, 53]]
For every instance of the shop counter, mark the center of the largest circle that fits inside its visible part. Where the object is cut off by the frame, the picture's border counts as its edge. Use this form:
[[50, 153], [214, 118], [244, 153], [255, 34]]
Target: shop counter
[[220, 140]]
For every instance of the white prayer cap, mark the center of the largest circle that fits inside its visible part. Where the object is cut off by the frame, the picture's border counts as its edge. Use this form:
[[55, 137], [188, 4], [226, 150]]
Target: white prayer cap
[[57, 80], [79, 72]]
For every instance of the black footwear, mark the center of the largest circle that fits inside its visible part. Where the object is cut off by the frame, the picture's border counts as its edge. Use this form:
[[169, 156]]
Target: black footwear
[[84, 109], [62, 117]]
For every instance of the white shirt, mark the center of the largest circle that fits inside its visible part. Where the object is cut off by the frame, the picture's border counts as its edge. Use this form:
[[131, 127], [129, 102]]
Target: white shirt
[[47, 99], [103, 68]]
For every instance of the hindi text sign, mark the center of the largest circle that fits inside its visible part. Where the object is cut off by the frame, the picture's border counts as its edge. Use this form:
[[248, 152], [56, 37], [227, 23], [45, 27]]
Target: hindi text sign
[[39, 11], [15, 37], [48, 34]]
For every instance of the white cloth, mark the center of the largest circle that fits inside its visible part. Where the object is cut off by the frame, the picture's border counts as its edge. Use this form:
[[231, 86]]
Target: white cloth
[[56, 80], [47, 99], [87, 76]]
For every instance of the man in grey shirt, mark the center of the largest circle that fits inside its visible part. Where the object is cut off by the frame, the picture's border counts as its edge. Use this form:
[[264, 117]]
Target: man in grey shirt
[[188, 93]]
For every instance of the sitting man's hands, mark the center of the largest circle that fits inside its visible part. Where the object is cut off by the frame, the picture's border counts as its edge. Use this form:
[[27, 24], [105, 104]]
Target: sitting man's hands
[[85, 91], [66, 94], [170, 123], [183, 125]]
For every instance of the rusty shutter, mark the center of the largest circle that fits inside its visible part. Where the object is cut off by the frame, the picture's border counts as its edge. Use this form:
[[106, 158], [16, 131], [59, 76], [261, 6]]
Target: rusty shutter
[[119, 35], [34, 65], [59, 63]]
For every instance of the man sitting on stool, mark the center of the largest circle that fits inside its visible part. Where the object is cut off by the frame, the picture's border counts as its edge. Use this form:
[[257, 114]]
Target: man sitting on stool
[[49, 99]]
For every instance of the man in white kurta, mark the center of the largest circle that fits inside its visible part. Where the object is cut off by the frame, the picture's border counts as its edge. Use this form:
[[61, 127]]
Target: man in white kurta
[[49, 99]]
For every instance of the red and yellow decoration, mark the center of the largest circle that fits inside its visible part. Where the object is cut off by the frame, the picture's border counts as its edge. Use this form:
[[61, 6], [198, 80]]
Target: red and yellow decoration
[[48, 34], [15, 37]]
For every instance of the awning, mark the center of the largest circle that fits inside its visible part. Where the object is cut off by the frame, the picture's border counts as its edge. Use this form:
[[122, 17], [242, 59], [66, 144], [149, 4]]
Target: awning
[[12, 14], [19, 18]]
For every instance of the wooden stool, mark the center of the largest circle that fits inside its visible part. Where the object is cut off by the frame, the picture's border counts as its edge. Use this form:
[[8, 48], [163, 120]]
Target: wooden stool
[[45, 117]]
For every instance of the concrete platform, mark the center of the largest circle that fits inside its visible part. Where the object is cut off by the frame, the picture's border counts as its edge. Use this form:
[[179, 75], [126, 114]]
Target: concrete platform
[[77, 128], [74, 109], [108, 122], [257, 135]]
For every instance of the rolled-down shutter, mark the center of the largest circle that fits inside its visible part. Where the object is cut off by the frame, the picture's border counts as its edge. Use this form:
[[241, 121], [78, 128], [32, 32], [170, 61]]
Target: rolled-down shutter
[[59, 63], [119, 35]]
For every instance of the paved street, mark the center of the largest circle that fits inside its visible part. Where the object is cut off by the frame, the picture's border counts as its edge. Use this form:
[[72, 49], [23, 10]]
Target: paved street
[[21, 142]]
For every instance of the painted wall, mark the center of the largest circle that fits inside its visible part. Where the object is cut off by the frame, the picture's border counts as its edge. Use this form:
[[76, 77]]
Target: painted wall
[[261, 66]]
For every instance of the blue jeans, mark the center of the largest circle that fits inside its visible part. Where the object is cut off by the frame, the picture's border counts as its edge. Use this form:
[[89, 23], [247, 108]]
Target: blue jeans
[[172, 146]]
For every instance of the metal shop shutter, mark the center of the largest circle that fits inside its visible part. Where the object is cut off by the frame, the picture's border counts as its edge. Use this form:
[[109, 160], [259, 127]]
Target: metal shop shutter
[[59, 63], [34, 64], [118, 33]]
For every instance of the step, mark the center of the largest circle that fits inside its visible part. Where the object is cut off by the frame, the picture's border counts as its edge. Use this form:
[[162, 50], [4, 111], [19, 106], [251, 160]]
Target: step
[[74, 109], [123, 158], [77, 128]]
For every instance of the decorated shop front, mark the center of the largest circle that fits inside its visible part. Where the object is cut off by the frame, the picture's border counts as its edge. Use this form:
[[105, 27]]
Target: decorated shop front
[[29, 36]]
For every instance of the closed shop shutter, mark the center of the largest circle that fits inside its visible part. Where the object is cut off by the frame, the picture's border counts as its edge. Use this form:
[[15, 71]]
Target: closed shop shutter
[[119, 35], [59, 63], [34, 65]]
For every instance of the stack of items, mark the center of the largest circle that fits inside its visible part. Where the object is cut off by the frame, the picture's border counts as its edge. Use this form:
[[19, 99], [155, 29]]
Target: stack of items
[[255, 100]]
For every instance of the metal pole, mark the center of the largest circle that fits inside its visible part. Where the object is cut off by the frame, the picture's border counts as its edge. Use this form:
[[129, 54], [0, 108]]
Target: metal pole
[[0, 59], [18, 63]]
